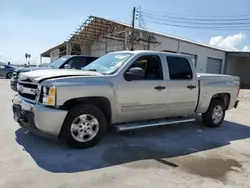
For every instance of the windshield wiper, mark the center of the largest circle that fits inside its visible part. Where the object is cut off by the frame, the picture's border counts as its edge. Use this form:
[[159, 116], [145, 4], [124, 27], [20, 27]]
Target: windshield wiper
[[95, 70], [51, 66]]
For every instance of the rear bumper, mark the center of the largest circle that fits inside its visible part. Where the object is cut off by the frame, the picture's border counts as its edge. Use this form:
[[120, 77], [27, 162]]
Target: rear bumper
[[236, 104], [37, 118]]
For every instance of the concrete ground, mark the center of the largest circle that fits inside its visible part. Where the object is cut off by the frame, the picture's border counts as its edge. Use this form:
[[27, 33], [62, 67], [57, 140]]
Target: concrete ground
[[188, 155]]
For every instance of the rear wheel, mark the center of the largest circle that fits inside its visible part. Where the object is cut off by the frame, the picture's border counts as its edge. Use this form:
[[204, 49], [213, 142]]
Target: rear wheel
[[215, 114], [84, 126], [8, 75]]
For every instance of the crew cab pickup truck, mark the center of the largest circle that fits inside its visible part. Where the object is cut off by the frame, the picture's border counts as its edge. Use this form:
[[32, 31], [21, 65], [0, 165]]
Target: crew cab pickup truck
[[127, 90]]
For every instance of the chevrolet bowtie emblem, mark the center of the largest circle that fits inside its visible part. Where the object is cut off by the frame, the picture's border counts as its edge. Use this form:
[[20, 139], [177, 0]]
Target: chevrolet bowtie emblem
[[34, 91]]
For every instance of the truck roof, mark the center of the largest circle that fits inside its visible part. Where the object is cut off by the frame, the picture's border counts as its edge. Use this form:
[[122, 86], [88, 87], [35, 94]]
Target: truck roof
[[80, 56], [150, 52]]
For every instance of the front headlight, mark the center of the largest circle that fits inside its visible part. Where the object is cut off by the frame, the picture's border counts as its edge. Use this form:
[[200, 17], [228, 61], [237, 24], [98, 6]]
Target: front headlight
[[14, 75], [48, 96]]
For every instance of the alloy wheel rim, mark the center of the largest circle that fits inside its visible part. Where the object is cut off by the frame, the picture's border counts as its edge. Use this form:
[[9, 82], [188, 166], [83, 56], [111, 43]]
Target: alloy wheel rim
[[217, 114], [84, 128]]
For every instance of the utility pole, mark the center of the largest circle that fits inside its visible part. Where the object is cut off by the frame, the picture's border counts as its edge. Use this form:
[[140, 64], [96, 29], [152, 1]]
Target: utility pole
[[133, 28]]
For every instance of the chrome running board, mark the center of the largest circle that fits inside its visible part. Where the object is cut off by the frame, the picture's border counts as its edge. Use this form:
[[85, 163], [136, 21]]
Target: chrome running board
[[138, 125]]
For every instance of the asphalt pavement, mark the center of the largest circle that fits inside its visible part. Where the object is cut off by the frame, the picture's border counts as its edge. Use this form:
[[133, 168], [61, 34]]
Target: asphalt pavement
[[186, 155]]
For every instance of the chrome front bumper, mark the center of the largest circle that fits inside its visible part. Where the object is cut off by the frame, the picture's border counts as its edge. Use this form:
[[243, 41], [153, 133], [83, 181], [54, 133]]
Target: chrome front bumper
[[38, 118], [13, 84]]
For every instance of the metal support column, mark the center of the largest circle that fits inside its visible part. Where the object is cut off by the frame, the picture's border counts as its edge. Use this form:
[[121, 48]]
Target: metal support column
[[41, 60], [68, 47]]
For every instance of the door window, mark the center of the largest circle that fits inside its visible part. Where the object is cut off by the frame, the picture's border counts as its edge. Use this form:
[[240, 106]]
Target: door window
[[193, 58], [151, 65], [179, 68], [77, 62], [90, 59]]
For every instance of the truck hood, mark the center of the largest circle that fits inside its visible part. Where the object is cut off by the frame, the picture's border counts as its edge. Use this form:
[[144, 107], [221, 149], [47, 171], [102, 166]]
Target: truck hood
[[26, 69], [40, 75]]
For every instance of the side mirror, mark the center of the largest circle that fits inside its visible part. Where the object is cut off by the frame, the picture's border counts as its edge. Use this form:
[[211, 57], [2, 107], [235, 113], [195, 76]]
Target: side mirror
[[135, 73], [67, 66]]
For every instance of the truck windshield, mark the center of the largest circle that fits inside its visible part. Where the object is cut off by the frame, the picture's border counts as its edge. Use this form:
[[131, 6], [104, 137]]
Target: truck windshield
[[59, 62], [109, 63]]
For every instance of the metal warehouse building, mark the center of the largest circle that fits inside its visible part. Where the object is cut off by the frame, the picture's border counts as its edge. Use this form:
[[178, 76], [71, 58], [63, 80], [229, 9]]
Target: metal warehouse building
[[98, 36]]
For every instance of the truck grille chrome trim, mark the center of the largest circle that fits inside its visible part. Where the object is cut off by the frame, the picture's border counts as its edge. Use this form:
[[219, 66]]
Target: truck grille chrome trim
[[27, 90], [25, 82]]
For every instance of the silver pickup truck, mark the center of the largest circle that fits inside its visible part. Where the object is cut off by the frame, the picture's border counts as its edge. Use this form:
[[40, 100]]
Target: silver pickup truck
[[126, 89]]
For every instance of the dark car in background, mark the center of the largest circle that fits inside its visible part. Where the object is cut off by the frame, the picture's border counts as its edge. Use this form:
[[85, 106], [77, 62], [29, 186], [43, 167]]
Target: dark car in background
[[65, 62], [6, 71]]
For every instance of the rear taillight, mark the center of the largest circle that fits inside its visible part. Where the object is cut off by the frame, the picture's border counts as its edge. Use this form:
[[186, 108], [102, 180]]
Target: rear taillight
[[238, 92]]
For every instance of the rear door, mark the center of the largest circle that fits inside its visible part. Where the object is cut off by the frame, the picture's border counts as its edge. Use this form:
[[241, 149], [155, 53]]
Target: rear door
[[182, 86]]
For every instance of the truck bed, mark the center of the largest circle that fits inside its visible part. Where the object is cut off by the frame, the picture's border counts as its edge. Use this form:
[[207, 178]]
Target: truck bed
[[211, 84], [221, 77]]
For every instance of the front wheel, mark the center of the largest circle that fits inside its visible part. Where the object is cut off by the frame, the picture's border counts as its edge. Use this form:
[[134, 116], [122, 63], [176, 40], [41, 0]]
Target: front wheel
[[84, 126], [8, 75], [215, 114]]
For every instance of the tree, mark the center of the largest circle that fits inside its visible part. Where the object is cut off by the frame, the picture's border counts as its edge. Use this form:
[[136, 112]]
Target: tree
[[26, 57], [29, 56]]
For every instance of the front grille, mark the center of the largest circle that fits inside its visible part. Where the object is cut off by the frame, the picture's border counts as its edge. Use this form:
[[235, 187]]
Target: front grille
[[27, 96], [27, 90], [27, 80], [33, 86]]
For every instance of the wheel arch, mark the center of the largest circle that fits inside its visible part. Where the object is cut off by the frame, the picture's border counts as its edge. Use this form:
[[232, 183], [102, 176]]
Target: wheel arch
[[225, 97], [102, 103]]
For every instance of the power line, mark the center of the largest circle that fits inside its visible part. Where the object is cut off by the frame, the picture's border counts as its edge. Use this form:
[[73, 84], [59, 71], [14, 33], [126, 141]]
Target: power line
[[167, 19], [195, 16], [203, 28], [193, 19], [195, 23]]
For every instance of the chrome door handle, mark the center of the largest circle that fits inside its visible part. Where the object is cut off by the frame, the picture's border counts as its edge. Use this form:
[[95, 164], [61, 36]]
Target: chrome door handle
[[191, 87], [159, 88]]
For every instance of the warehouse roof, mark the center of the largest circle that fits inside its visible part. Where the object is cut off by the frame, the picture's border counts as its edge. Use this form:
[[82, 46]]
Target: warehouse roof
[[47, 52], [239, 53], [95, 28]]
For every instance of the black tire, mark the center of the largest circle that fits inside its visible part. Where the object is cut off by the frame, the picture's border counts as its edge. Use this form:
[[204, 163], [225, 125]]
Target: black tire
[[8, 75], [72, 115], [207, 117]]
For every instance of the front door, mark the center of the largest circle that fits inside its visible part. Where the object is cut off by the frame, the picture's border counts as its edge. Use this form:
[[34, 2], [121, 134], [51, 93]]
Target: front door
[[182, 87], [143, 98], [2, 70]]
